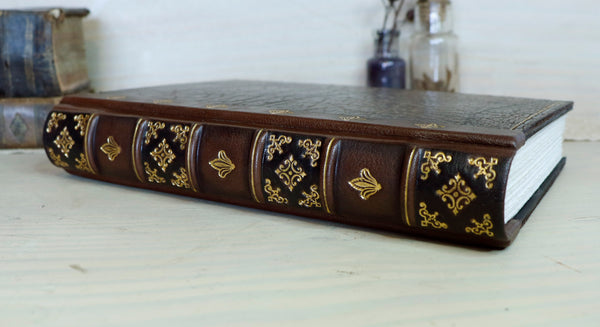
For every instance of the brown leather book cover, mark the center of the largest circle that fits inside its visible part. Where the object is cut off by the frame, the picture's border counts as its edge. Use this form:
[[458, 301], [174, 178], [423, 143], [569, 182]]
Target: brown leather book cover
[[443, 165]]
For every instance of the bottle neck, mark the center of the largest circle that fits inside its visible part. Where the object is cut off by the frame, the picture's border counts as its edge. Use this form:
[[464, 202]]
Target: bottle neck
[[434, 16], [387, 43]]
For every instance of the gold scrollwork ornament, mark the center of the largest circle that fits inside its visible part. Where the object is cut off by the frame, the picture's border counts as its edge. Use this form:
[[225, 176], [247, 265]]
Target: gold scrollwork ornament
[[274, 193], [55, 117], [311, 150], [456, 193], [432, 163], [82, 123], [486, 169], [153, 174], [56, 159], [152, 132], [312, 199], [64, 142], [163, 155], [276, 145], [181, 135], [182, 179], [430, 219], [483, 227], [290, 172], [83, 164]]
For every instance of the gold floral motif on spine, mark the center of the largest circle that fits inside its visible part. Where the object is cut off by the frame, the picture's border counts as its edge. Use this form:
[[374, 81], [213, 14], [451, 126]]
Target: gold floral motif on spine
[[56, 159], [152, 174], [83, 164], [312, 199], [111, 148], [483, 227], [275, 145], [366, 184], [181, 135], [163, 155], [182, 179], [274, 193], [55, 117], [290, 172], [430, 219], [457, 193], [152, 132], [432, 163], [82, 123], [64, 142], [486, 169], [311, 150], [222, 164]]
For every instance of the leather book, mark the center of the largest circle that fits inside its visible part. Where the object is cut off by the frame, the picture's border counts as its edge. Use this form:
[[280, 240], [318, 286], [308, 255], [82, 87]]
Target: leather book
[[456, 167], [42, 52], [22, 121]]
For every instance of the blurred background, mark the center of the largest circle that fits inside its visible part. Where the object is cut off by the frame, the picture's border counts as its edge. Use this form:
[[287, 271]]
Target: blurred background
[[536, 48]]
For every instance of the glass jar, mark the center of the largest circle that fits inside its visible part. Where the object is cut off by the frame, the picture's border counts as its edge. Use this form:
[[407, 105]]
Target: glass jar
[[386, 68], [433, 48]]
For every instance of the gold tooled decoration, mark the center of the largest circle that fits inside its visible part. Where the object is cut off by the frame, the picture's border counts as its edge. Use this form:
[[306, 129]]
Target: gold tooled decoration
[[83, 164], [222, 164], [432, 163], [163, 155], [182, 179], [312, 199], [276, 143], [280, 112], [82, 123], [366, 184], [56, 159], [181, 135], [430, 219], [457, 193], [55, 117], [483, 227], [311, 150], [152, 132], [486, 169], [429, 126], [64, 142], [350, 118], [290, 172], [152, 174], [111, 148], [274, 193]]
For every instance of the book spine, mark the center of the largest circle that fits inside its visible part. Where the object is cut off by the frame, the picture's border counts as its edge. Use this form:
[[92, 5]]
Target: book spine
[[449, 191], [26, 52], [22, 121]]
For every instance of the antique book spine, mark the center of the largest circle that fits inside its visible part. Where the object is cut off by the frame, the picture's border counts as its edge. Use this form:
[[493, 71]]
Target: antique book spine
[[42, 53], [22, 121], [449, 191]]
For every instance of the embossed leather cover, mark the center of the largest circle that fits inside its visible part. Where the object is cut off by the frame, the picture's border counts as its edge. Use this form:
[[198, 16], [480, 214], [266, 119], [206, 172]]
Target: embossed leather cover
[[22, 121], [426, 163]]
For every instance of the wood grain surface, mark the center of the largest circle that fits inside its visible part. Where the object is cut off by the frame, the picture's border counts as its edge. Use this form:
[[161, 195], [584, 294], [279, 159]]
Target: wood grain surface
[[77, 252]]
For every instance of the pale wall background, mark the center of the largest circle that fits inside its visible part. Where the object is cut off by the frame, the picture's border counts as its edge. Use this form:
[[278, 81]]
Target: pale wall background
[[533, 48]]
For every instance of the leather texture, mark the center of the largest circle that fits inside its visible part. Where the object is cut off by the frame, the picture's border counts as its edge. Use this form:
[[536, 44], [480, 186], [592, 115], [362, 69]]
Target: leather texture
[[406, 171], [27, 52], [22, 121]]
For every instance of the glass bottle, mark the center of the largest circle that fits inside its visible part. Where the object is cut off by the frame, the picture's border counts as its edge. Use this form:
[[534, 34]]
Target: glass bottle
[[433, 54], [386, 68]]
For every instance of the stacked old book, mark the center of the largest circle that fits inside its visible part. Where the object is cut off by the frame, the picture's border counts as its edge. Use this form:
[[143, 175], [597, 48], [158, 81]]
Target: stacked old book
[[42, 58]]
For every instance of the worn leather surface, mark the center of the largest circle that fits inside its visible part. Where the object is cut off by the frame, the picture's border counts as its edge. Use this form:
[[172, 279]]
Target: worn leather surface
[[22, 121], [27, 67], [444, 179]]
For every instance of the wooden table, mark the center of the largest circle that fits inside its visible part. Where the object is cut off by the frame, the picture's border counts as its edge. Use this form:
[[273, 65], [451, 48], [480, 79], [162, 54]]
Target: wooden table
[[76, 252]]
